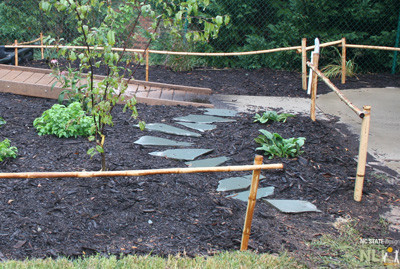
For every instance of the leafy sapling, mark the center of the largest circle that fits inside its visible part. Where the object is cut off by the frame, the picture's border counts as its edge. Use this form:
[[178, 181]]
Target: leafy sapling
[[272, 116], [7, 151], [104, 25], [274, 145]]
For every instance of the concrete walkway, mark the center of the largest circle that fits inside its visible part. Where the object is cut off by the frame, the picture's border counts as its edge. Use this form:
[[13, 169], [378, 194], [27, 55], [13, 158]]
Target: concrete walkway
[[384, 138]]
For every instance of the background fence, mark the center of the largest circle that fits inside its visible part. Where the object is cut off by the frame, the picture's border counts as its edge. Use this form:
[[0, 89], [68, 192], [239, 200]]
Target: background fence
[[254, 25]]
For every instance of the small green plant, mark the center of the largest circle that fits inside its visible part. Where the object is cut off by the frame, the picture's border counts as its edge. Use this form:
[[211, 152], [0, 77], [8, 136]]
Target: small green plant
[[65, 121], [6, 151], [2, 121], [274, 145], [271, 116]]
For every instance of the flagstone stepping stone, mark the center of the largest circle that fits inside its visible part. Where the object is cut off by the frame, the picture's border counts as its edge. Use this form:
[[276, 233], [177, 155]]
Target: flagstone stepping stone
[[235, 183], [202, 127], [181, 154], [168, 129], [211, 162], [293, 206], [202, 119], [261, 193], [220, 112], [158, 141]]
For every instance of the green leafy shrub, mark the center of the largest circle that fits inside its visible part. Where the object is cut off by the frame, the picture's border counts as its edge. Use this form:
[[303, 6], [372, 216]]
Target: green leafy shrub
[[65, 121], [6, 151], [271, 116], [274, 145]]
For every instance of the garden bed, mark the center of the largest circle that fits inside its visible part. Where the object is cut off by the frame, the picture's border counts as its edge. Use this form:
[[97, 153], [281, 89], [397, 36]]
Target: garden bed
[[170, 214]]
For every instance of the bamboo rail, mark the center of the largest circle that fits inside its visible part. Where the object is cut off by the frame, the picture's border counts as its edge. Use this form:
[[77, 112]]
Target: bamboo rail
[[160, 51], [358, 111], [327, 44], [251, 204], [372, 47], [189, 170], [32, 41]]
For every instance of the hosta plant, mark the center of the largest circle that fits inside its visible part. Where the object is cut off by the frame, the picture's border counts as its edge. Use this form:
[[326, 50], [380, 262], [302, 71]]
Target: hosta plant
[[271, 116], [6, 151], [62, 121], [274, 145]]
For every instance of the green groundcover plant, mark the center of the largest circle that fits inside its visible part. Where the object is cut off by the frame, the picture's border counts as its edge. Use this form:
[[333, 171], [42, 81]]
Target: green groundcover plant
[[2, 121], [6, 151], [271, 116], [274, 145], [62, 121]]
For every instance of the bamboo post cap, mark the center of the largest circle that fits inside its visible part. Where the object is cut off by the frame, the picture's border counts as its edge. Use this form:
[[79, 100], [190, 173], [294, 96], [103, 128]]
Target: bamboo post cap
[[367, 108]]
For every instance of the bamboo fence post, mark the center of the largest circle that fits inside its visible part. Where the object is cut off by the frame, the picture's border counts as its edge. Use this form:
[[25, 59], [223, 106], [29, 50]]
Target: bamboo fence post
[[251, 204], [304, 62], [147, 64], [343, 60], [41, 44], [362, 154], [314, 83], [16, 53]]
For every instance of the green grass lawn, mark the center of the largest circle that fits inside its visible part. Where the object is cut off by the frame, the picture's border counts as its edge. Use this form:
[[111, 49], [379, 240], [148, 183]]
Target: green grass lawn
[[223, 260]]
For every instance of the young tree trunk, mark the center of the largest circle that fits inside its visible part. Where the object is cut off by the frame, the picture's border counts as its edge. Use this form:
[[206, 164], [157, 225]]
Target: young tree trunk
[[103, 161]]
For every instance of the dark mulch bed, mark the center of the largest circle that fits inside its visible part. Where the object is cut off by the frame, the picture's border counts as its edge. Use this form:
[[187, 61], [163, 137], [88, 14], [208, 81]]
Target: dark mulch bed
[[75, 216], [260, 82]]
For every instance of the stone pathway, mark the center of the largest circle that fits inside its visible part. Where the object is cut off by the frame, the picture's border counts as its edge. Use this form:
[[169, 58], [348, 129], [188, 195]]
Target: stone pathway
[[203, 123]]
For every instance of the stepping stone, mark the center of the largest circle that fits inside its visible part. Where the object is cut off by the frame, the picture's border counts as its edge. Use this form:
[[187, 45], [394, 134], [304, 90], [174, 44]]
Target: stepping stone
[[293, 206], [202, 119], [220, 112], [158, 141], [168, 129], [235, 183], [202, 127], [181, 154], [261, 193], [211, 162]]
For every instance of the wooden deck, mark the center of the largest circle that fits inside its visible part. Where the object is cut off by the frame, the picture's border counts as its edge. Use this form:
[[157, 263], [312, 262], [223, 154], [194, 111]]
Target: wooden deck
[[38, 82]]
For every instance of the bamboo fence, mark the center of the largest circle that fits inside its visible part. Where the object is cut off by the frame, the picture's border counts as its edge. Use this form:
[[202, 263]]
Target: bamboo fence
[[300, 49], [365, 125]]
